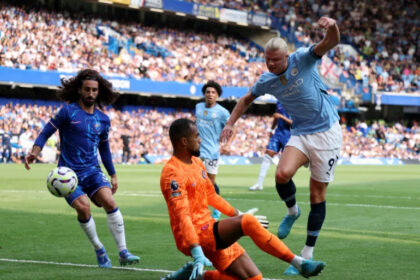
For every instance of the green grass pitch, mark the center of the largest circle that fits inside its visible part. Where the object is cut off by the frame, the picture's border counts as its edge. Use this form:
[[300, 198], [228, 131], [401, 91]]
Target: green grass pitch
[[372, 228]]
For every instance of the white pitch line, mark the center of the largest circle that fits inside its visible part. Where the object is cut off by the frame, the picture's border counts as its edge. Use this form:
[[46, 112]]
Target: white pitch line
[[84, 265], [271, 200], [95, 266]]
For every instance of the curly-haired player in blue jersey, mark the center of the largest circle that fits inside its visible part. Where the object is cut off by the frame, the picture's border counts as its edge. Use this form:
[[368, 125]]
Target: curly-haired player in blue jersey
[[211, 117], [316, 133], [83, 131]]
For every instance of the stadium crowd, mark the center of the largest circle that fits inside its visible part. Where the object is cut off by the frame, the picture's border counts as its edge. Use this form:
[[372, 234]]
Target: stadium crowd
[[146, 133], [388, 43], [47, 40], [389, 58]]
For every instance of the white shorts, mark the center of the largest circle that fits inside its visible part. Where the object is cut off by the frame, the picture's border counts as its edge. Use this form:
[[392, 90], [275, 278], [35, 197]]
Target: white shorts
[[322, 149], [212, 165]]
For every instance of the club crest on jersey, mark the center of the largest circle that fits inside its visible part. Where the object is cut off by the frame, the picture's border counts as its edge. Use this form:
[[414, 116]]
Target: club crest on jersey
[[294, 71], [203, 174], [174, 185], [283, 80], [97, 127], [205, 113]]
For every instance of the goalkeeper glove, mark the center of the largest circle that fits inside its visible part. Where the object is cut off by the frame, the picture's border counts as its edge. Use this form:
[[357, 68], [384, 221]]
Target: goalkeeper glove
[[200, 261], [262, 219]]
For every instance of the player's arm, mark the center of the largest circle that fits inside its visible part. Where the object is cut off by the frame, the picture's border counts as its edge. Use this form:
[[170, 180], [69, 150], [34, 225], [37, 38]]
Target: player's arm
[[40, 141], [175, 192], [331, 38], [226, 147], [283, 117], [240, 108], [219, 202], [105, 152], [32, 155]]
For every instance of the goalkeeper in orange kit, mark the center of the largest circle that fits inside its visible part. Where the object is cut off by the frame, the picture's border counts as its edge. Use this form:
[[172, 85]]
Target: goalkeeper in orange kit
[[188, 193]]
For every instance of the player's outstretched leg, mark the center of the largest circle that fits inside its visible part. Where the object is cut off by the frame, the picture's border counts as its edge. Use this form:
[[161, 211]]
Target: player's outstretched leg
[[286, 224], [125, 257], [181, 274], [275, 247], [102, 257]]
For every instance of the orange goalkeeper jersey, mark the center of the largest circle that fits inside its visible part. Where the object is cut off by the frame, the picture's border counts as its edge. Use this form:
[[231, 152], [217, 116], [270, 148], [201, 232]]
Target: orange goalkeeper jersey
[[188, 193]]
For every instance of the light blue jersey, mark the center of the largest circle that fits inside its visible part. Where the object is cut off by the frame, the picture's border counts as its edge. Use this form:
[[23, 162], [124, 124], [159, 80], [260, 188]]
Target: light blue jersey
[[210, 122], [301, 92]]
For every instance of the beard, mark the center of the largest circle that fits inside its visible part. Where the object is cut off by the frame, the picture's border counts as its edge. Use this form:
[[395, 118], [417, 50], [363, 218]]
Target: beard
[[88, 102], [195, 153]]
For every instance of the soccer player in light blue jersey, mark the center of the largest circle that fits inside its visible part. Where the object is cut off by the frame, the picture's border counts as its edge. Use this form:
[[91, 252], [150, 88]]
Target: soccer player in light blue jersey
[[211, 117], [83, 131], [279, 135], [316, 133]]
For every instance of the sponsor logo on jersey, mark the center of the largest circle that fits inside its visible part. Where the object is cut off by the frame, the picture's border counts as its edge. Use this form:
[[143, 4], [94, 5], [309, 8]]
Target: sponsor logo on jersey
[[174, 185], [175, 194]]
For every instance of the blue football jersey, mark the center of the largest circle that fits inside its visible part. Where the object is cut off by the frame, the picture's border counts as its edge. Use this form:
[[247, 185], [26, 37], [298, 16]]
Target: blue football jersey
[[301, 92], [210, 123], [80, 135]]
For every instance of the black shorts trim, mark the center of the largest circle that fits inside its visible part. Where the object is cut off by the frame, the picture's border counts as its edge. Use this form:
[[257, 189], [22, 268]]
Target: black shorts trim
[[220, 245]]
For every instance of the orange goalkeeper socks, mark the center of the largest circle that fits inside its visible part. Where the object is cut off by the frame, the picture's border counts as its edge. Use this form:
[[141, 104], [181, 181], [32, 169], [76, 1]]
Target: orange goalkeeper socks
[[265, 240], [217, 275]]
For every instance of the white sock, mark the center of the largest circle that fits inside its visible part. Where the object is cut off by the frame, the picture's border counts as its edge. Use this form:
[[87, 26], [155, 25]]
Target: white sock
[[293, 210], [307, 252], [297, 262], [116, 227], [265, 165], [90, 230]]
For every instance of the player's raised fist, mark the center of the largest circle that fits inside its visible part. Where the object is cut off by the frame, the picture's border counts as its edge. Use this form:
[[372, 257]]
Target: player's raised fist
[[326, 22]]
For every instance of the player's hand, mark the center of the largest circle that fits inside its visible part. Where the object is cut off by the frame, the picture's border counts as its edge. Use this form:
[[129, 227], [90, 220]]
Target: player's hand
[[200, 261], [114, 183], [261, 219], [227, 132], [326, 22], [29, 158], [224, 150]]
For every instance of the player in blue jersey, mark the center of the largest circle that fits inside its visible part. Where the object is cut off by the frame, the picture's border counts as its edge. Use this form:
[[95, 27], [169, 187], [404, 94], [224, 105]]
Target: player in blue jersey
[[316, 133], [211, 117], [83, 131], [279, 135]]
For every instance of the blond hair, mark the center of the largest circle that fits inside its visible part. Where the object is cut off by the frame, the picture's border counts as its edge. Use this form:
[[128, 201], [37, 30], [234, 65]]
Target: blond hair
[[275, 44]]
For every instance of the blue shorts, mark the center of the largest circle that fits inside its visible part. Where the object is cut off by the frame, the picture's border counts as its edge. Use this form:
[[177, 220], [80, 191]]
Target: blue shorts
[[277, 144], [89, 184]]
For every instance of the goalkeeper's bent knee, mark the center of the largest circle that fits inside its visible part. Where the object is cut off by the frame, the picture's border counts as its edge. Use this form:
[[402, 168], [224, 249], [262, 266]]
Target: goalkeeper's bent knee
[[264, 239], [251, 226]]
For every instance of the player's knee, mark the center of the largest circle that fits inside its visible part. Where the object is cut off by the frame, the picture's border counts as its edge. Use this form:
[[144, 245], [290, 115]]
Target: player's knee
[[83, 212], [283, 176], [248, 222]]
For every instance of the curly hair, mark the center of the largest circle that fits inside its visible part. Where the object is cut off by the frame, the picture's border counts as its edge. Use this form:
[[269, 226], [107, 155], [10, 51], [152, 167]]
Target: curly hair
[[214, 85], [70, 87]]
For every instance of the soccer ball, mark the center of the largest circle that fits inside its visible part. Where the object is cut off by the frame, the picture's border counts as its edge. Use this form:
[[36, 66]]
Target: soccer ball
[[62, 181]]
